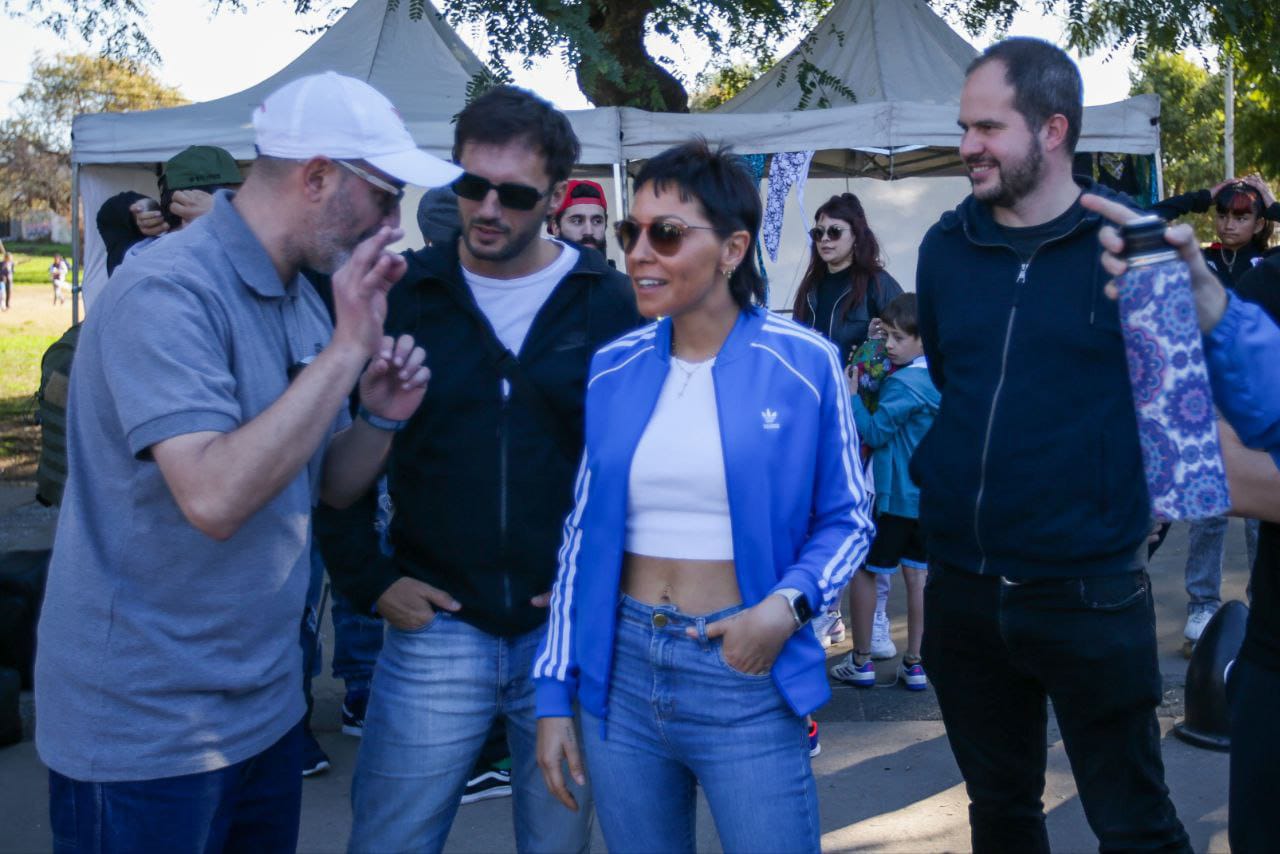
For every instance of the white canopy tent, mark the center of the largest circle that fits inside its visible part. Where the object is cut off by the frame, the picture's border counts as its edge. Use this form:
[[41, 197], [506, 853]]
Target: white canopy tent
[[420, 65], [904, 64]]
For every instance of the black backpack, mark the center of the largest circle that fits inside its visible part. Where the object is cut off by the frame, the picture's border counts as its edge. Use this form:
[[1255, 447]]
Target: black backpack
[[51, 410]]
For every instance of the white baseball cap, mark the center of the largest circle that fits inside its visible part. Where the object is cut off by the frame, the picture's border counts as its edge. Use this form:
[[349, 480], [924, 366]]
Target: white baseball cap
[[329, 115]]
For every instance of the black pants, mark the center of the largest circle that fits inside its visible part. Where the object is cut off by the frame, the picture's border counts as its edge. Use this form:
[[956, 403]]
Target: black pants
[[1254, 694], [995, 650]]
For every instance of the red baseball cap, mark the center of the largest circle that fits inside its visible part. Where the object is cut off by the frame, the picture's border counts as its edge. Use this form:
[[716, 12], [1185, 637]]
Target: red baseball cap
[[584, 196]]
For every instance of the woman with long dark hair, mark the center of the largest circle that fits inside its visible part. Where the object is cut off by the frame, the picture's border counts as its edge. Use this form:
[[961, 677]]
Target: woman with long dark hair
[[846, 285], [718, 507], [841, 296]]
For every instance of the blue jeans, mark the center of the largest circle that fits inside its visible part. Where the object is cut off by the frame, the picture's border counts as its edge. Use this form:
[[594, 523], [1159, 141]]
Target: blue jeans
[[680, 716], [996, 650], [357, 638], [435, 693], [251, 806], [1206, 545]]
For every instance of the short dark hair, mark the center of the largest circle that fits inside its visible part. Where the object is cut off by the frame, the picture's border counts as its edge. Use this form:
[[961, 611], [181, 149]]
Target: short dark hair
[[507, 113], [718, 180], [1045, 82], [900, 313]]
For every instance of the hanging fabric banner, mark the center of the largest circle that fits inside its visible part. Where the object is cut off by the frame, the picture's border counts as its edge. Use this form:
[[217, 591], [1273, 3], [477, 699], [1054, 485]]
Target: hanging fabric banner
[[789, 169]]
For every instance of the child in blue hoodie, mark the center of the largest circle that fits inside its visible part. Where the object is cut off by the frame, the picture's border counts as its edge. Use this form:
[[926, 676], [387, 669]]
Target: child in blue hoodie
[[907, 406]]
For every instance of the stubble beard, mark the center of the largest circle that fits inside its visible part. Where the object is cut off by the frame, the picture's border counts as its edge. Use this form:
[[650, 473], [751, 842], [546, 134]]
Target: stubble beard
[[1017, 181]]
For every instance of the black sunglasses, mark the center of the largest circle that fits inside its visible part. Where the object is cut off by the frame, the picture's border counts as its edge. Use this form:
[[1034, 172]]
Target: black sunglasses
[[832, 232], [665, 236], [517, 197]]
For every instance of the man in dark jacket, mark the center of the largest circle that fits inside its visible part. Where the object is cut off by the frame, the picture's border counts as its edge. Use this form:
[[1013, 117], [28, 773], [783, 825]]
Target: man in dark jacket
[[1032, 490], [481, 480]]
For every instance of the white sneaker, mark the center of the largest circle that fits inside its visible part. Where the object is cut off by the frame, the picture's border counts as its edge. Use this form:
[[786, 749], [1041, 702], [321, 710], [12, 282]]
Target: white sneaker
[[1196, 623], [882, 646]]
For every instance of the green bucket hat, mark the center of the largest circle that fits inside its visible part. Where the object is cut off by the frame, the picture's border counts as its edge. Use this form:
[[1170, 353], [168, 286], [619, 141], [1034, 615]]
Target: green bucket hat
[[201, 166]]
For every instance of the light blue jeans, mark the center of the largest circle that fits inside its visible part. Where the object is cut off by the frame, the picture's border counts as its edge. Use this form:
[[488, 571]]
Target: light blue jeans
[[1206, 545], [680, 716], [435, 693]]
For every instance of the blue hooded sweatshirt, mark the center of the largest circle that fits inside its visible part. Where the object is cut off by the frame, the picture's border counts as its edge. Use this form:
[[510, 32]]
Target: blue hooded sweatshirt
[[907, 406]]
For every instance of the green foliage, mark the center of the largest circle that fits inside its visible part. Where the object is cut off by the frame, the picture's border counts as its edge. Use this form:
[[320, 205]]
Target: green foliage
[[719, 83], [1192, 119], [35, 144]]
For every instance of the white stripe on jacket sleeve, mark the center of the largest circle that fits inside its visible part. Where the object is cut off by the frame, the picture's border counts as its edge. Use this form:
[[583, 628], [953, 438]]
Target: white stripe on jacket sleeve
[[555, 658]]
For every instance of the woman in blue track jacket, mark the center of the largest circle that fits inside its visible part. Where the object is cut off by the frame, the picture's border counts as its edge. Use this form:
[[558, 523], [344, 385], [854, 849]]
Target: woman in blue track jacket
[[719, 505]]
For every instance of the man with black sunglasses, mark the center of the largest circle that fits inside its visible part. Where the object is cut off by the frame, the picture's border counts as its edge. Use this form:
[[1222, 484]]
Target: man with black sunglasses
[[481, 479]]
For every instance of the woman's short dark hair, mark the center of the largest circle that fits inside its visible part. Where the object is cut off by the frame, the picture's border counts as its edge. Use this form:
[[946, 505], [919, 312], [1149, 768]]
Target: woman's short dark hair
[[718, 180], [866, 265], [900, 313], [508, 113]]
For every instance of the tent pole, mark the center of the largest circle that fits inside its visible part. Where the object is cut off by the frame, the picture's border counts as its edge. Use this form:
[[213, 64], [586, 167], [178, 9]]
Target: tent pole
[[620, 189], [1159, 171], [76, 261]]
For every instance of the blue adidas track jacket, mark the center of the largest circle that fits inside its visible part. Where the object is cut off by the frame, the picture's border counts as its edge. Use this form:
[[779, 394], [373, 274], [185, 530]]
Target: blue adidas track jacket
[[797, 502]]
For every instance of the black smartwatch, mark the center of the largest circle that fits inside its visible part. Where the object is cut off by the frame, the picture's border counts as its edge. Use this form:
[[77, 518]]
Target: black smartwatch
[[800, 610]]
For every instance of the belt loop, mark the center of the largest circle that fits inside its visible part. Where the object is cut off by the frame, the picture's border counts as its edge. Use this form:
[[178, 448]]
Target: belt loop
[[702, 631]]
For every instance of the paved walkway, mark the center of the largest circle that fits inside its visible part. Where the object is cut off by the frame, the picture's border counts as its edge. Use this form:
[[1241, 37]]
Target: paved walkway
[[887, 781]]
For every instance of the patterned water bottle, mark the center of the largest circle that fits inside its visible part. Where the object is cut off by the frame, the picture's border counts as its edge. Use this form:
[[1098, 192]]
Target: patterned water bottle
[[1177, 424]]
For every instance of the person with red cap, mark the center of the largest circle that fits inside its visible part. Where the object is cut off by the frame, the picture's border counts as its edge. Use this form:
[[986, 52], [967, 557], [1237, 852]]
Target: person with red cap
[[582, 215]]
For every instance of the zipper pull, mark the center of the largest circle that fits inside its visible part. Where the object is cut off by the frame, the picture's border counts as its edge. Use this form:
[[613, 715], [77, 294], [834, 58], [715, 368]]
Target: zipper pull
[[1022, 272], [504, 388]]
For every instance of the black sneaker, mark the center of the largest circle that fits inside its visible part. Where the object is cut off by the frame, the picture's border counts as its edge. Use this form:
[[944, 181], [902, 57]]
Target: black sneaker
[[353, 709], [314, 759], [494, 783]]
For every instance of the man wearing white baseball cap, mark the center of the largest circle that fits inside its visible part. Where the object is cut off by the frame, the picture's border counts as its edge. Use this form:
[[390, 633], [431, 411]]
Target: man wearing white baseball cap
[[207, 417]]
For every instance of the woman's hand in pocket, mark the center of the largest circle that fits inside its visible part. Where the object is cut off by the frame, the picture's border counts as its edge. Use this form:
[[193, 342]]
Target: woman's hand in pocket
[[753, 638]]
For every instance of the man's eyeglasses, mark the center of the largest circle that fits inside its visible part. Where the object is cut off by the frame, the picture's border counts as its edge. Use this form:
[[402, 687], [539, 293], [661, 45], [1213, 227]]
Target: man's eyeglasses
[[517, 197], [832, 232], [665, 236], [395, 194]]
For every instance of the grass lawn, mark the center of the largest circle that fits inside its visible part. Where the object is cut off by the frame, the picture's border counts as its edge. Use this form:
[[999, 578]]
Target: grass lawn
[[26, 331]]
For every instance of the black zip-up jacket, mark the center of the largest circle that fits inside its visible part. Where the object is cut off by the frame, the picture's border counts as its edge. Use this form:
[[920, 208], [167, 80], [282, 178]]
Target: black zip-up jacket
[[480, 483], [1033, 467], [848, 332]]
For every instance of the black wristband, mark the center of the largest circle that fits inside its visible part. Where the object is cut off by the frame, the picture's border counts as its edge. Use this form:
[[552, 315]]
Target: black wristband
[[378, 422]]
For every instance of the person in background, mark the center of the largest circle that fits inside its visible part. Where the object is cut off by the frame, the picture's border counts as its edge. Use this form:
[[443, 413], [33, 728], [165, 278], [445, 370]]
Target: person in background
[[58, 272], [905, 412], [582, 216], [841, 296], [7, 267], [129, 222], [1035, 594], [1244, 210], [720, 505]]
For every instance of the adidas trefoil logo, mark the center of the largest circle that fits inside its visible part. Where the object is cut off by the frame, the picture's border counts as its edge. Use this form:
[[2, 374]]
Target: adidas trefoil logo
[[770, 419]]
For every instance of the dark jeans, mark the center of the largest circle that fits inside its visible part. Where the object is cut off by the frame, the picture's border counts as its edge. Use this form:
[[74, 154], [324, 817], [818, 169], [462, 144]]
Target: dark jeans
[[995, 650], [251, 806], [1254, 695]]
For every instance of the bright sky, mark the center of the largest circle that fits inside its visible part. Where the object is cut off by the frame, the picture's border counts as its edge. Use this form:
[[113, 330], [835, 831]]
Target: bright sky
[[208, 57]]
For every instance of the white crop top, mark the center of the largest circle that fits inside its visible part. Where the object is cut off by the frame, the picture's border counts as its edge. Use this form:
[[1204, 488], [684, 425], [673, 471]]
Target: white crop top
[[677, 498]]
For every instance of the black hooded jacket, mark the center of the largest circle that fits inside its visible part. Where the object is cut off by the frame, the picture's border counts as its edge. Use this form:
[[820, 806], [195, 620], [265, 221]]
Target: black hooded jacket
[[1033, 467], [481, 480]]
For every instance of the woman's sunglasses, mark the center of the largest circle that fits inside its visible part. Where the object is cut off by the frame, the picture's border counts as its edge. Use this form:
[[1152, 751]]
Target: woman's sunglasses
[[832, 232], [517, 197], [664, 236]]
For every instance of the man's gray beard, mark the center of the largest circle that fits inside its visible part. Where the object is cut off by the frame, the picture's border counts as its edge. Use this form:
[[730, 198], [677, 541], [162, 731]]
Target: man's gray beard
[[1016, 183]]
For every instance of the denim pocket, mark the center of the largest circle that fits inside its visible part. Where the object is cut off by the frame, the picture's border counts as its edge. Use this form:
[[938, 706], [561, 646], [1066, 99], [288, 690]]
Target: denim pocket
[[755, 677], [425, 627], [1113, 592]]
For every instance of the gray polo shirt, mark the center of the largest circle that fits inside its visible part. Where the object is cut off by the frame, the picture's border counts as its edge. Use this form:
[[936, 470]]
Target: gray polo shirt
[[162, 651]]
